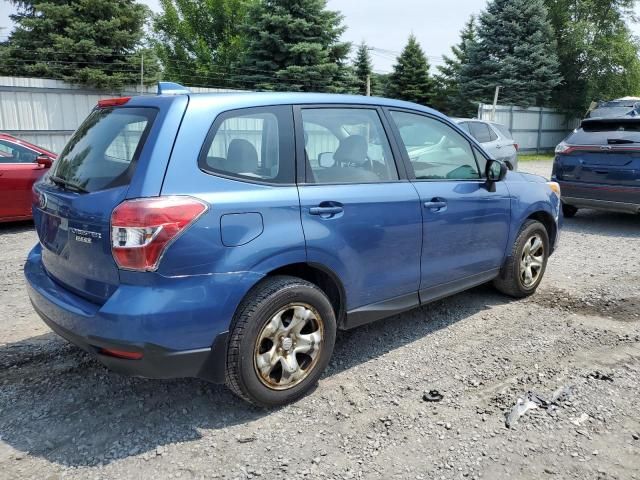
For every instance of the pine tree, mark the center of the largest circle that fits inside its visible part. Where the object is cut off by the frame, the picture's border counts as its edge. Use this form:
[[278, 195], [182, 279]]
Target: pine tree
[[410, 79], [295, 45], [363, 68], [516, 51], [449, 98], [97, 43], [199, 42]]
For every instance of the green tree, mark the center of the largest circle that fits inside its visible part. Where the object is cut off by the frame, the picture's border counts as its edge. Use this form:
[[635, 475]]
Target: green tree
[[98, 43], [515, 50], [449, 97], [295, 45], [363, 68], [199, 41], [410, 79], [598, 54]]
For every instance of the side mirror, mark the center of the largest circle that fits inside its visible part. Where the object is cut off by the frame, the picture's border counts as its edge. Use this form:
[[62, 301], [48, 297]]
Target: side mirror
[[44, 161], [495, 172], [326, 160]]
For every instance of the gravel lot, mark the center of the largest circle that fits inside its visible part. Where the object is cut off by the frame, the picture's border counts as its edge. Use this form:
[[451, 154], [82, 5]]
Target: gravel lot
[[62, 415]]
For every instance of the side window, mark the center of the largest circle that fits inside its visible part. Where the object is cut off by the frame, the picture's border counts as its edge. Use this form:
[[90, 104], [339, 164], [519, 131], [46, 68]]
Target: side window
[[346, 145], [255, 144], [11, 153], [480, 132], [464, 126], [436, 151]]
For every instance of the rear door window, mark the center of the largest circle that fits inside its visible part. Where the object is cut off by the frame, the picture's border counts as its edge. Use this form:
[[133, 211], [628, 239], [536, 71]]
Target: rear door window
[[346, 145], [103, 151], [254, 144], [481, 132]]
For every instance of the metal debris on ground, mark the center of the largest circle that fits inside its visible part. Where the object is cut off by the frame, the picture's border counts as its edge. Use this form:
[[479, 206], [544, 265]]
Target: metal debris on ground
[[601, 376], [534, 400], [432, 396]]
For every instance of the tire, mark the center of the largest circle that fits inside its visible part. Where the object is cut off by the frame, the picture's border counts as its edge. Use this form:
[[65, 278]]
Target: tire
[[512, 280], [283, 322], [569, 211]]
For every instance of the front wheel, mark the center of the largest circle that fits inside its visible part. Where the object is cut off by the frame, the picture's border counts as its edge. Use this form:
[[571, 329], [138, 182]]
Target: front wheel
[[281, 341], [522, 273]]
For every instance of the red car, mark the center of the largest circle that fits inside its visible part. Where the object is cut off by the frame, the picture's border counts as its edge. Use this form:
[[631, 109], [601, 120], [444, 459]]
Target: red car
[[21, 164]]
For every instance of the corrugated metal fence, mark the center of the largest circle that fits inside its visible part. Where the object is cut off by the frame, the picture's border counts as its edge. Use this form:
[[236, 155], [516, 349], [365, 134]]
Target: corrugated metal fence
[[46, 112], [535, 129]]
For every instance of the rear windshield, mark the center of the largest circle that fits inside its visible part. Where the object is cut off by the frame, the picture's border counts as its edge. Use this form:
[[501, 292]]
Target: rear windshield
[[606, 134], [104, 150]]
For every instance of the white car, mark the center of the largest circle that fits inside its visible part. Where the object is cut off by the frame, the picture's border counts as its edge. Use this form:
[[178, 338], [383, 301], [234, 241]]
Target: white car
[[495, 138]]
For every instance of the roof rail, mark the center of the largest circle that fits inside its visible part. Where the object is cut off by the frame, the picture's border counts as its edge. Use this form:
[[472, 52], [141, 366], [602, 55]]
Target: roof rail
[[171, 88]]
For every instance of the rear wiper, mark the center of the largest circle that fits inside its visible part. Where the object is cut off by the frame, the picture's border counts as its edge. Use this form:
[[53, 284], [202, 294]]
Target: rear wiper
[[67, 185], [619, 141]]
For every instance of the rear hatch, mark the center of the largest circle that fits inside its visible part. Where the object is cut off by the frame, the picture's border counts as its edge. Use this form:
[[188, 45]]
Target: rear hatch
[[75, 200], [602, 152]]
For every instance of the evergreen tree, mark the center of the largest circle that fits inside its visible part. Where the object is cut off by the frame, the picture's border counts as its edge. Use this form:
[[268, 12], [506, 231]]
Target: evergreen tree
[[363, 68], [516, 51], [597, 51], [199, 42], [97, 43], [449, 98], [410, 79], [295, 45]]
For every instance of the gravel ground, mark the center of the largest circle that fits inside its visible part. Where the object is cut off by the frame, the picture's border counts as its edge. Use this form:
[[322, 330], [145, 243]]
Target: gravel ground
[[64, 415]]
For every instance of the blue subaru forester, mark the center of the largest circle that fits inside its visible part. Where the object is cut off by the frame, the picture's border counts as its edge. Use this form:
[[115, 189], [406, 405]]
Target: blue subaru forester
[[228, 236]]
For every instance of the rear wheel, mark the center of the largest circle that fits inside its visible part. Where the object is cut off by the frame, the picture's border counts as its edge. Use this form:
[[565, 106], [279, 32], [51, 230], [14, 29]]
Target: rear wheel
[[569, 210], [522, 273], [281, 341]]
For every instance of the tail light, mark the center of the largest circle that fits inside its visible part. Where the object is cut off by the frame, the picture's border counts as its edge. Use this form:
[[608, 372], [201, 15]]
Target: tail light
[[143, 229]]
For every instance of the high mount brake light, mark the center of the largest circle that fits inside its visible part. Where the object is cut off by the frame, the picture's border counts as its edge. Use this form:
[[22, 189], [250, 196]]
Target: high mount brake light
[[113, 102], [143, 229]]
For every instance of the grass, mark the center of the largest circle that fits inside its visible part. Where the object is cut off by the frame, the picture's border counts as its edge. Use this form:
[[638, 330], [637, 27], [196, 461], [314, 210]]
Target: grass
[[535, 157]]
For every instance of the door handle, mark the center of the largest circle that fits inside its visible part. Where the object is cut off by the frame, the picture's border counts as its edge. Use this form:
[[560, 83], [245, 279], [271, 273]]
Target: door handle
[[325, 210], [435, 204]]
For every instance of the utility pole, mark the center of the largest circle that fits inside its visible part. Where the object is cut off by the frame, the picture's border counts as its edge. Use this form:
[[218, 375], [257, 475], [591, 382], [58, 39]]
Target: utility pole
[[368, 85], [142, 73], [495, 103]]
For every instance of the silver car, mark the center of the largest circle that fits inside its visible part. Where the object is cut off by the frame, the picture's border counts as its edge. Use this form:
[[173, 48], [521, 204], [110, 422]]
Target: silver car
[[495, 138]]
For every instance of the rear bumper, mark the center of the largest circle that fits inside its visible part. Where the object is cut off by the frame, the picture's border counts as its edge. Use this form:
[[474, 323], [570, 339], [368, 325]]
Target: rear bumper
[[173, 338], [615, 198], [602, 204]]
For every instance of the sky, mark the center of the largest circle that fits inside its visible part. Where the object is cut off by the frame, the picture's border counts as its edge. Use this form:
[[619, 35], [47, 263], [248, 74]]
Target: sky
[[385, 25]]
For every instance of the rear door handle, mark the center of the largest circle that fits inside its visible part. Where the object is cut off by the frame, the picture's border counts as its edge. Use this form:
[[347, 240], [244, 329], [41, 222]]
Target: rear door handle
[[325, 210], [435, 205]]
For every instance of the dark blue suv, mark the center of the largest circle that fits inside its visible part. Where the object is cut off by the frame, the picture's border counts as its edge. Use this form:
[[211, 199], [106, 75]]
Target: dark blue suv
[[228, 236]]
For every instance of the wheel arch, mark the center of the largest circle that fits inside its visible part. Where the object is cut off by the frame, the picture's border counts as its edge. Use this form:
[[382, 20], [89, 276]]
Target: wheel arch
[[321, 276], [546, 219]]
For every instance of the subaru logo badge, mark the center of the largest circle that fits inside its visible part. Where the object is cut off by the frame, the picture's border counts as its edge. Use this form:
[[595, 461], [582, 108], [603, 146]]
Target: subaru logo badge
[[43, 201]]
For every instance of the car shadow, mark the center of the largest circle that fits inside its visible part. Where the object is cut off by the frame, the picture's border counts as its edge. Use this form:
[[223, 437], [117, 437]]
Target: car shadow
[[16, 227], [58, 403], [598, 222]]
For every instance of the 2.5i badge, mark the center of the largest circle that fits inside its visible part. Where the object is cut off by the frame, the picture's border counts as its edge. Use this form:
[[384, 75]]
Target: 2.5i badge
[[85, 236]]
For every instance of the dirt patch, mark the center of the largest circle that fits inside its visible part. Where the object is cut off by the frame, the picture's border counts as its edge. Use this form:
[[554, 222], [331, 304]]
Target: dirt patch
[[595, 303]]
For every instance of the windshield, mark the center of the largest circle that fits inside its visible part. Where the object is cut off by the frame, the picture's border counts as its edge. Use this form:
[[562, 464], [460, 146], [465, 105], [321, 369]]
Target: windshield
[[104, 150], [614, 109]]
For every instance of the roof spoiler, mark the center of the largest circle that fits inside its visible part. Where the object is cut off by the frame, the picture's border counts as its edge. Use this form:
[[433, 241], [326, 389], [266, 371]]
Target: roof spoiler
[[612, 121], [171, 88]]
